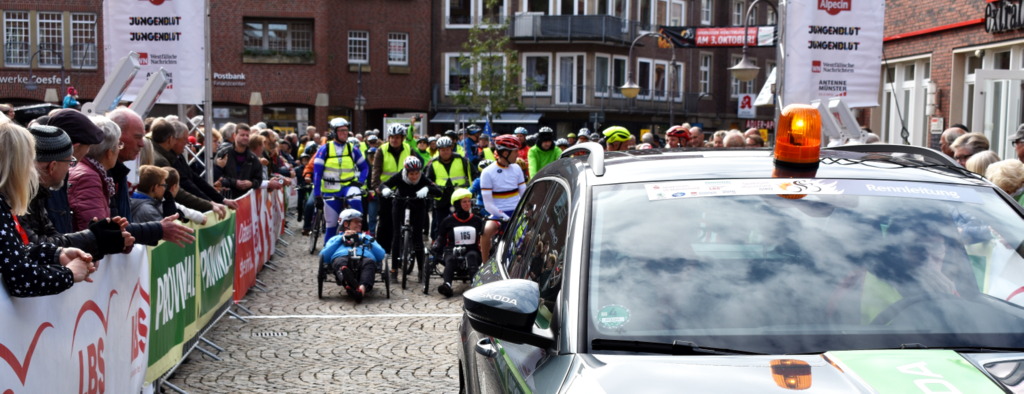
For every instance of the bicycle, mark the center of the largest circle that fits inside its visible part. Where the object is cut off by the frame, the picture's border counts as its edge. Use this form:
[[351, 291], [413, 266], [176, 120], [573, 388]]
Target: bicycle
[[407, 256], [325, 267], [319, 225]]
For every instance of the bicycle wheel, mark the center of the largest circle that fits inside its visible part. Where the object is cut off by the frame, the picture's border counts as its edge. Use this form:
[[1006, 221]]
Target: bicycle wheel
[[428, 268], [314, 232], [321, 276], [385, 275], [403, 261]]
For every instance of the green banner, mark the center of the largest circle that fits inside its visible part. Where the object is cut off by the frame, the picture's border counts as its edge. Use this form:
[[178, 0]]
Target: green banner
[[914, 371], [216, 242], [173, 288]]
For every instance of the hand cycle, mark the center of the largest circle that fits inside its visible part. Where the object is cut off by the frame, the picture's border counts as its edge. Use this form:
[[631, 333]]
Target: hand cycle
[[319, 225], [438, 265], [407, 256], [352, 247]]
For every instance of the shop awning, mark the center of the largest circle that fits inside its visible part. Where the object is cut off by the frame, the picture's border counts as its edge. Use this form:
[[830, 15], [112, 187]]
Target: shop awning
[[503, 118]]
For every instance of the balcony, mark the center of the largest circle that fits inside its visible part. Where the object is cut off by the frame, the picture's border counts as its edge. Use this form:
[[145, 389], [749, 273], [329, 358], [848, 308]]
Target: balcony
[[572, 28]]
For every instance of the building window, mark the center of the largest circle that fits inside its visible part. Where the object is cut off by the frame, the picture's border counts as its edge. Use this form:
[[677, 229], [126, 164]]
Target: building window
[[705, 73], [536, 74], [773, 18], [602, 69], [459, 12], [16, 39], [278, 36], [676, 13], [398, 49], [643, 78], [737, 13], [677, 79], [358, 47], [84, 53], [51, 39], [660, 79], [903, 103], [705, 12], [615, 8], [645, 15], [618, 74], [571, 79], [495, 14], [458, 75]]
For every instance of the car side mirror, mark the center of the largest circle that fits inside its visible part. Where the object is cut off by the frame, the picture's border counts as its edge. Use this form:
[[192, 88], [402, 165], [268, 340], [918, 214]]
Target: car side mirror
[[506, 310]]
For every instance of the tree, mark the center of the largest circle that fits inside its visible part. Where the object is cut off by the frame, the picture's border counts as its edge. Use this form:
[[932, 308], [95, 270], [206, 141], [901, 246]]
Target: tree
[[490, 67]]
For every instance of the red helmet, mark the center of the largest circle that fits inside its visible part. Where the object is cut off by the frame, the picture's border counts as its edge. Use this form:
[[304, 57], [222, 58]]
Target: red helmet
[[507, 142], [678, 132]]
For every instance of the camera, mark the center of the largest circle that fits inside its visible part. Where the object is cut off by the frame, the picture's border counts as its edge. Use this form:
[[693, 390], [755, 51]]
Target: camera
[[351, 240]]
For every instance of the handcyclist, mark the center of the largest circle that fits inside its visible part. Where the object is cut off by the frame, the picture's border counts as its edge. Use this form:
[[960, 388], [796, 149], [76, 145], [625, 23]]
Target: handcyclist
[[448, 171], [353, 256], [501, 185], [339, 169], [616, 138], [410, 183], [460, 229]]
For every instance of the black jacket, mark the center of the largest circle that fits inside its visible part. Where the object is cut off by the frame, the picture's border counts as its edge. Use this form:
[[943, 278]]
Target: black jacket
[[250, 170], [166, 158]]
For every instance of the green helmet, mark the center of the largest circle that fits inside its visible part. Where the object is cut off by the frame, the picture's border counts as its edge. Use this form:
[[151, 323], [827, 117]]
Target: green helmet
[[616, 134], [459, 194]]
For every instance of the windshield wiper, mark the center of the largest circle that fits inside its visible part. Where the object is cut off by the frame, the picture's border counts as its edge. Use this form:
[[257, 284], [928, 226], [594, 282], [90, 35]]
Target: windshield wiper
[[677, 347], [965, 349]]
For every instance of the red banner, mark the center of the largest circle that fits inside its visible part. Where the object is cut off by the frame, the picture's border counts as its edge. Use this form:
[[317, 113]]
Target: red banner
[[245, 251]]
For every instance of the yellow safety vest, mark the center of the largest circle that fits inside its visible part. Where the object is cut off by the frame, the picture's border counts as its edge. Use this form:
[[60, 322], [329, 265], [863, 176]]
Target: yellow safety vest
[[338, 170], [489, 154], [458, 175], [390, 169], [458, 149]]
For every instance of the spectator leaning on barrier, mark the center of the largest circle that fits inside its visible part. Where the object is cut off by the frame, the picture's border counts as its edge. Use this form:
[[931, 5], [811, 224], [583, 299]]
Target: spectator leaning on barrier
[[968, 145], [148, 197], [29, 269], [133, 137], [980, 162], [170, 138], [1009, 176], [242, 170], [173, 187], [90, 188], [83, 133], [53, 160]]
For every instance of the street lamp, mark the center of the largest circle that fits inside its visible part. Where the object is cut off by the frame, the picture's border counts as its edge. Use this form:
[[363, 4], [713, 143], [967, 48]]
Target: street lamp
[[630, 89], [746, 70]]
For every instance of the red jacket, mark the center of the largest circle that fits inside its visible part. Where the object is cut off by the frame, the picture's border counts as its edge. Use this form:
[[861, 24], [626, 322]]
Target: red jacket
[[87, 194]]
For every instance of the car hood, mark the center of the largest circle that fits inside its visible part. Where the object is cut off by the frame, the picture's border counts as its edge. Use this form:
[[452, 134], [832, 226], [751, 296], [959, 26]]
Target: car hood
[[868, 371]]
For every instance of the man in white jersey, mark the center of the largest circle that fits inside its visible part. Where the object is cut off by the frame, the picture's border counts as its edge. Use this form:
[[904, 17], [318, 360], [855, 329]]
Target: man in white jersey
[[501, 184]]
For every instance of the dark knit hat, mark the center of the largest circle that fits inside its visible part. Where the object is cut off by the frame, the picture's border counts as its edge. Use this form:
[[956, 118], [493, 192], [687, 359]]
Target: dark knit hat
[[77, 125], [51, 143]]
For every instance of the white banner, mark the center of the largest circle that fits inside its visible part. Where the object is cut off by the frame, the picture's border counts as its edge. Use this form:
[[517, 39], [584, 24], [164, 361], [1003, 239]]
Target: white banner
[[91, 338], [165, 33], [833, 48]]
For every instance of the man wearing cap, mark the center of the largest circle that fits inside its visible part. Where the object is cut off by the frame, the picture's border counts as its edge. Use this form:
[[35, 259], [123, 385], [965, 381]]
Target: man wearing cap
[[53, 161], [1018, 142]]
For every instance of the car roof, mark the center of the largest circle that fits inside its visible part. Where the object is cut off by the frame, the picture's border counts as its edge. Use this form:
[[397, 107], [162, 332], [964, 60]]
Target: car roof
[[911, 164]]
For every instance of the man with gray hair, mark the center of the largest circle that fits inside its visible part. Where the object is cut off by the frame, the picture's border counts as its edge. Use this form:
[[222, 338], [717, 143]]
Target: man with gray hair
[[968, 145], [734, 139], [169, 139], [947, 138]]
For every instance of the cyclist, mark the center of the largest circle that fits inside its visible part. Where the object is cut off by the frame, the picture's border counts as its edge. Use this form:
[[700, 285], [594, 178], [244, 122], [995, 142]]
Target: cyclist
[[478, 202], [486, 152], [448, 171], [387, 163], [677, 137], [581, 138], [544, 152], [410, 184], [616, 138], [524, 151], [335, 174], [461, 228], [501, 185], [469, 145], [570, 140], [353, 256]]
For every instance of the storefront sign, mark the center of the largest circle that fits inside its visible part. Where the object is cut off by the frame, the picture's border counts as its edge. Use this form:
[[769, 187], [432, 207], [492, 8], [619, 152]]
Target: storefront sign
[[165, 34], [1002, 16], [21, 79], [834, 48], [746, 109], [228, 79], [760, 124]]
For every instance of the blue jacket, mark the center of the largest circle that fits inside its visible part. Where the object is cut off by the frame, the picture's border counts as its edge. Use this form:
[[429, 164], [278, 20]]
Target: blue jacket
[[335, 248]]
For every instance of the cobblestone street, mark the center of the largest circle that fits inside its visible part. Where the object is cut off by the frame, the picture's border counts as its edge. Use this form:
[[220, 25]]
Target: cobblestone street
[[296, 343]]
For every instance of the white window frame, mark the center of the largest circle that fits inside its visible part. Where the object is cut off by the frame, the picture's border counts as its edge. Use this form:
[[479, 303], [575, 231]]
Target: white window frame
[[525, 65], [909, 95], [576, 56], [476, 13], [680, 80], [738, 7], [399, 41], [649, 81], [660, 91], [448, 16], [475, 71], [16, 57], [354, 55], [652, 15], [773, 17], [670, 4], [616, 92], [608, 76], [50, 34], [450, 59], [83, 33], [707, 9], [292, 36], [575, 7], [704, 77]]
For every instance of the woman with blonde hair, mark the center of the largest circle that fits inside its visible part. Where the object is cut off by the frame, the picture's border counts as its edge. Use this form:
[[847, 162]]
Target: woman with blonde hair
[[1009, 176], [30, 270], [979, 162]]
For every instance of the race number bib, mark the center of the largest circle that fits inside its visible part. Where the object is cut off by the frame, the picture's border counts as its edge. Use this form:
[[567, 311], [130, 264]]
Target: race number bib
[[465, 235]]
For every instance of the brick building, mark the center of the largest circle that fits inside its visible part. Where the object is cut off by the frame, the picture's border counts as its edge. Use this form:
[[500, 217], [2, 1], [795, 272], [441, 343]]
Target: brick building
[[947, 63], [302, 62]]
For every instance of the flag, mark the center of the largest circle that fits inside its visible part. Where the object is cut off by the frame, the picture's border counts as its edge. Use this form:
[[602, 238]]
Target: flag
[[487, 128]]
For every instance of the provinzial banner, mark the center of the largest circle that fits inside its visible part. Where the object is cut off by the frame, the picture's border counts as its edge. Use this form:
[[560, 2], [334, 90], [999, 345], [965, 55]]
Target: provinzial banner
[[833, 49], [166, 34]]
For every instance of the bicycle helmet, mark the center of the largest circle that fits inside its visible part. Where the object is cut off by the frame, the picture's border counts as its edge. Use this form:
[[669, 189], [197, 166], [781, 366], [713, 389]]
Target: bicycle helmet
[[413, 163], [424, 140], [432, 140], [678, 132], [452, 134], [595, 136], [473, 129], [616, 134], [397, 129], [484, 164], [584, 131], [338, 122], [520, 130], [545, 134], [459, 194], [372, 138], [444, 142], [506, 142], [571, 135], [353, 140], [561, 142], [350, 214]]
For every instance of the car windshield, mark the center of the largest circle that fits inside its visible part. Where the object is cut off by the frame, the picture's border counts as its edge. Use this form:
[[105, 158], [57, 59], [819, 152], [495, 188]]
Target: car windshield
[[851, 265]]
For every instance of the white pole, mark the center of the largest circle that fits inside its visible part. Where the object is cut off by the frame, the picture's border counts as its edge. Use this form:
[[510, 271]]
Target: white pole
[[208, 125]]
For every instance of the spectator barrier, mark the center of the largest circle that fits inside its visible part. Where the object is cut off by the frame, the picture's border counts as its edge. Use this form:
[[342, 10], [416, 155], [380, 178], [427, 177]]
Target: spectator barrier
[[144, 311]]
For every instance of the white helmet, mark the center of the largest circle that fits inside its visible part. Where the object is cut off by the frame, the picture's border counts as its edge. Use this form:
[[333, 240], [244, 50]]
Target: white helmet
[[353, 140], [338, 122], [397, 129], [350, 214]]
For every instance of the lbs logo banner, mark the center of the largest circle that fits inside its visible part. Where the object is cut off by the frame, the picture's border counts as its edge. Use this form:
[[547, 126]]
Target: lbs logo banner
[[89, 339]]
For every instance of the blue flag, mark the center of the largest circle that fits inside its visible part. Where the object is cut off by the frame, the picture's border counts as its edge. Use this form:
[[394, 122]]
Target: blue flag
[[487, 128]]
